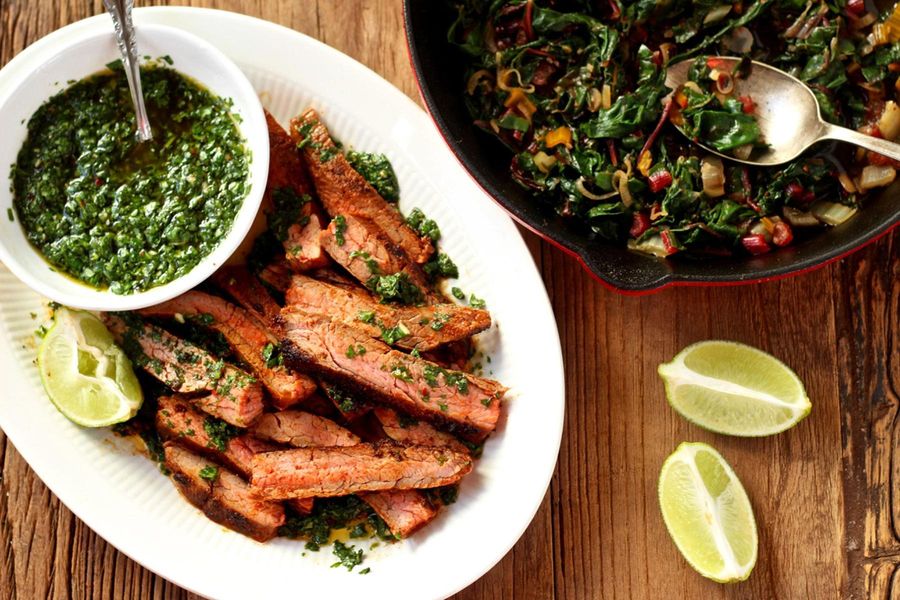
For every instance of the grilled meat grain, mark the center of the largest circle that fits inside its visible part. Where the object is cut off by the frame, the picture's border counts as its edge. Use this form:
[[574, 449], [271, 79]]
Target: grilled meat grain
[[427, 327], [246, 336], [413, 432], [250, 293], [343, 191], [301, 430], [287, 175], [468, 405], [328, 472], [230, 393], [222, 496], [404, 511], [366, 252]]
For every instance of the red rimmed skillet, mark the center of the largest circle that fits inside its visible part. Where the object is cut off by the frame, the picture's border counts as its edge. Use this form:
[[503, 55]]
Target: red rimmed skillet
[[440, 75]]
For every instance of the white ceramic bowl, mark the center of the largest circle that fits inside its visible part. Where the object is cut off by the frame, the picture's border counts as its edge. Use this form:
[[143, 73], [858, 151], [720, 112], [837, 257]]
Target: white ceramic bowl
[[84, 56]]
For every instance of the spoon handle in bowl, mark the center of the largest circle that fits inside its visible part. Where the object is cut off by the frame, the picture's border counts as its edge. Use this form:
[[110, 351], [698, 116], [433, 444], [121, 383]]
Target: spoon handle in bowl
[[120, 11], [879, 145]]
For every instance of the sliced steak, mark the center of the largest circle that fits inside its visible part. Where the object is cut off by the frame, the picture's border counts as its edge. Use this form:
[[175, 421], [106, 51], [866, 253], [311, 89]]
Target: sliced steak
[[277, 275], [413, 432], [427, 326], [177, 420], [231, 394], [223, 496], [468, 405], [248, 338], [343, 191], [249, 292], [365, 252], [302, 430], [404, 511], [287, 174], [328, 472]]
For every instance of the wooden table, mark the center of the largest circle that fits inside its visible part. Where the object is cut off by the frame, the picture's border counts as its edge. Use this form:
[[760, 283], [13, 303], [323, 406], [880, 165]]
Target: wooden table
[[824, 492]]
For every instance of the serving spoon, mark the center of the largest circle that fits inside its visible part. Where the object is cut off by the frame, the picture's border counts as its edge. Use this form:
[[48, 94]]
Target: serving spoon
[[120, 11], [787, 112]]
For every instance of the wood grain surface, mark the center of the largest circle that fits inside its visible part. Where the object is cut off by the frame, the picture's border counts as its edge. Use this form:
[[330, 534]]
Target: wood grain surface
[[825, 493]]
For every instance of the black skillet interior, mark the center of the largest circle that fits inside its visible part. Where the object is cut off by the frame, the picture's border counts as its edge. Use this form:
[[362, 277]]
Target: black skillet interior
[[440, 71]]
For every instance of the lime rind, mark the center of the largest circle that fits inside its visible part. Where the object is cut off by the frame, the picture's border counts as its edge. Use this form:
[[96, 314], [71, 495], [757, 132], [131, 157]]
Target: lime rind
[[87, 377], [708, 514], [734, 389]]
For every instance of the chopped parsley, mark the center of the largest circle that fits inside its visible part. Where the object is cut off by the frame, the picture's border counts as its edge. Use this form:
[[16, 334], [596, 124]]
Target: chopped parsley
[[458, 293], [272, 356], [344, 401], [440, 266], [287, 205], [219, 432], [209, 473], [340, 226], [392, 335], [395, 288], [476, 302], [423, 225], [377, 170], [366, 316], [348, 556], [451, 378], [354, 351], [401, 372], [440, 320]]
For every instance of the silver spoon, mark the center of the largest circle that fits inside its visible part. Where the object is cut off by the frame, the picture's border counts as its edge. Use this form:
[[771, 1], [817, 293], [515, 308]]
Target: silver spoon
[[120, 11], [787, 112]]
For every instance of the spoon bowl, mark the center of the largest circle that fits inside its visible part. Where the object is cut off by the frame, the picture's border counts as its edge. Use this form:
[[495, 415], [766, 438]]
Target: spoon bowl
[[787, 112]]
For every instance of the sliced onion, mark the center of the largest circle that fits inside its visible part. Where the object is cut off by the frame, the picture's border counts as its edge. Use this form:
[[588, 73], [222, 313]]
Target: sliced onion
[[595, 102], [889, 122], [620, 183], [692, 85], [606, 97], [717, 14], [652, 245], [799, 218], [475, 79], [831, 213], [864, 21], [760, 229], [740, 41], [544, 162], [874, 176], [579, 185], [725, 84], [712, 172]]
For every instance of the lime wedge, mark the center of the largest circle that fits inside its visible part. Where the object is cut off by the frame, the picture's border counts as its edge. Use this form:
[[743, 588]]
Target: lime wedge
[[734, 389], [707, 513], [88, 377]]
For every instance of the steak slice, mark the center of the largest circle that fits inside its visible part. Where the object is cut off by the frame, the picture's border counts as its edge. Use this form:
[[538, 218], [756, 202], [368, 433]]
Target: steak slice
[[412, 432], [301, 430], [428, 326], [232, 394], [468, 405], [177, 420], [246, 336], [277, 275], [404, 511], [343, 191], [249, 292], [328, 472], [287, 174], [223, 496], [365, 252]]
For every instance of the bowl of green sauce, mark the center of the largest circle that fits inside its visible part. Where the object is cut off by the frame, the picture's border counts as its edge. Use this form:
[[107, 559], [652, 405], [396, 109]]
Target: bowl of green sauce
[[96, 219]]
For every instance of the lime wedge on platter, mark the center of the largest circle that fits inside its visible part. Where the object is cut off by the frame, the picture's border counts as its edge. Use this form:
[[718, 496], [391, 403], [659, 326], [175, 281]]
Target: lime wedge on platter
[[734, 389], [707, 513], [87, 376]]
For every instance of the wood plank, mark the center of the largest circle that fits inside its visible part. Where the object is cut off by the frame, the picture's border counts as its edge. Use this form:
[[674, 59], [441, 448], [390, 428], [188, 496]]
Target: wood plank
[[825, 493]]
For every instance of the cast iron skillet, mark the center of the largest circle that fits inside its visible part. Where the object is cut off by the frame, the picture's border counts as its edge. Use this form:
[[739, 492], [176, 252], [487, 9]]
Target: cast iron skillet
[[440, 73]]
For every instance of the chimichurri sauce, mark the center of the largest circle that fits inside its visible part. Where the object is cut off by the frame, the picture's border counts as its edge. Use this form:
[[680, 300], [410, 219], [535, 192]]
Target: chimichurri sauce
[[121, 215]]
